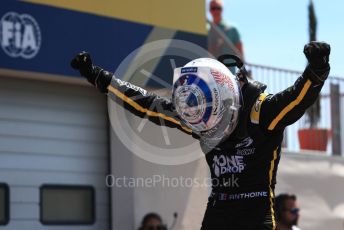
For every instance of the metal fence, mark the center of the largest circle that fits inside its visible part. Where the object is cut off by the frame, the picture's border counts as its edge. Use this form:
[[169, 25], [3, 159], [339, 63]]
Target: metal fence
[[331, 99]]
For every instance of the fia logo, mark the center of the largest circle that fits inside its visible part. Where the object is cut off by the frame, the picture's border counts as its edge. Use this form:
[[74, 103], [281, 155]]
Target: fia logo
[[20, 35]]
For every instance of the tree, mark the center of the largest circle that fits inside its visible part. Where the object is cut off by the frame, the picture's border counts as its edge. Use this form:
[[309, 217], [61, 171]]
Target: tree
[[313, 112]]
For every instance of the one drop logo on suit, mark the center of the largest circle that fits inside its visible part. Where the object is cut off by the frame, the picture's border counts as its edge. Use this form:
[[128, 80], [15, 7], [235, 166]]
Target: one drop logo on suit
[[20, 35], [224, 163]]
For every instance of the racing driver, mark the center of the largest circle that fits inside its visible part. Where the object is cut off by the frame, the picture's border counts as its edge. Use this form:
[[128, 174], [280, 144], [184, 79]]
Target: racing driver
[[244, 136]]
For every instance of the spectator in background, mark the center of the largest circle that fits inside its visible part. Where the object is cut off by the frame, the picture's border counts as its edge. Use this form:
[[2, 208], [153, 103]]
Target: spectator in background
[[152, 221], [287, 212], [216, 43]]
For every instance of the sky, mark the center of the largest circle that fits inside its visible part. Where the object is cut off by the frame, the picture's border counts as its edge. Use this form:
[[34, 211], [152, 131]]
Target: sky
[[274, 32]]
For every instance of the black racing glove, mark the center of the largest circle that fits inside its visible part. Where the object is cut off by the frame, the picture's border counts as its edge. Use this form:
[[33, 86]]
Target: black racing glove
[[317, 54], [95, 75]]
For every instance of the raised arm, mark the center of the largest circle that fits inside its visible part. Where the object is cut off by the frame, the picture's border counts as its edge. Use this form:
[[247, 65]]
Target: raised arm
[[138, 101], [284, 108]]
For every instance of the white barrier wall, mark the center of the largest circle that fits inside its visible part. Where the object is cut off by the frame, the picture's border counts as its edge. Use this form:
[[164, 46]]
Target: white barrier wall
[[318, 182], [130, 204]]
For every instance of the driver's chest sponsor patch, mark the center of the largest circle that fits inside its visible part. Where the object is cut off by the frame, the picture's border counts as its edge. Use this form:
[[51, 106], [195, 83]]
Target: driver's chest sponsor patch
[[245, 147], [223, 164]]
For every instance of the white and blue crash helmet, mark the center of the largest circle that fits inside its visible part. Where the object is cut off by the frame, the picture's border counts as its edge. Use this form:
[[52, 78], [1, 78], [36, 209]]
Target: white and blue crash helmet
[[207, 98]]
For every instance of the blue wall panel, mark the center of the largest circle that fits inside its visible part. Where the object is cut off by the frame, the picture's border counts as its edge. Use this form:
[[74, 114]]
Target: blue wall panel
[[65, 32]]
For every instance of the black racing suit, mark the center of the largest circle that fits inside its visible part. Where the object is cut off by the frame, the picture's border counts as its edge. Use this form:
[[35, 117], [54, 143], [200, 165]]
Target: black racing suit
[[243, 170]]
